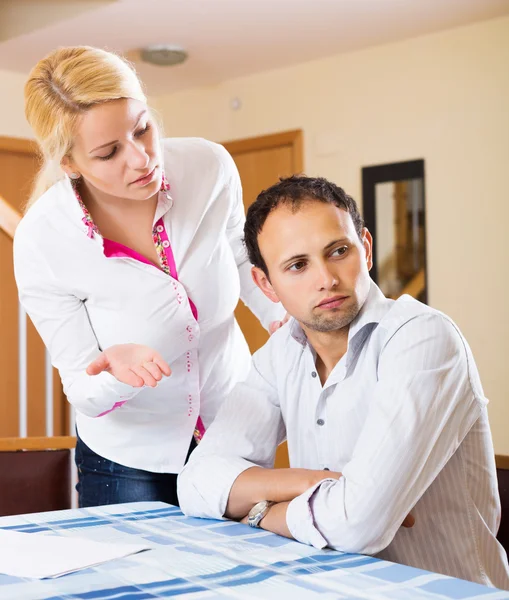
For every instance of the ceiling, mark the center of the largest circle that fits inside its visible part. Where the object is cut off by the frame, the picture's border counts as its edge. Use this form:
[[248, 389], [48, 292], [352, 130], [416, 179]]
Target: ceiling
[[224, 38]]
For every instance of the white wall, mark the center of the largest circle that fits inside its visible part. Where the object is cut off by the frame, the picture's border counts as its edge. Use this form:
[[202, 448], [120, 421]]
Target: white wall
[[385, 218], [442, 97]]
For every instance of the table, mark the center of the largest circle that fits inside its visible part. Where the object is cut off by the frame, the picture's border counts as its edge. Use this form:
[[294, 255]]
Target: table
[[202, 559]]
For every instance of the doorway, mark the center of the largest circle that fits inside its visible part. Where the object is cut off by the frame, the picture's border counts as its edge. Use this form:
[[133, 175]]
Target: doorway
[[19, 164], [261, 161]]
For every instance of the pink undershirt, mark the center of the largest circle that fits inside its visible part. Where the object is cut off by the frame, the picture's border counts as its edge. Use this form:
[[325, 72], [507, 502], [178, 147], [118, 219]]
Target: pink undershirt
[[116, 250]]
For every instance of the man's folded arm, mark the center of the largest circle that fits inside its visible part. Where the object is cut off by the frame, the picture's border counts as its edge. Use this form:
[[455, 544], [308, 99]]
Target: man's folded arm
[[276, 485], [244, 434], [231, 470], [424, 404]]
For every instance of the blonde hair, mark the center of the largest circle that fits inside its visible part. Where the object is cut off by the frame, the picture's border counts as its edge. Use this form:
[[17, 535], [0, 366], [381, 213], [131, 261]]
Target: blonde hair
[[63, 86]]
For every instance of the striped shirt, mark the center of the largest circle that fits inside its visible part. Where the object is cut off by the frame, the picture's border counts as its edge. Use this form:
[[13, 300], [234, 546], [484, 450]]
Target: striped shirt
[[402, 416]]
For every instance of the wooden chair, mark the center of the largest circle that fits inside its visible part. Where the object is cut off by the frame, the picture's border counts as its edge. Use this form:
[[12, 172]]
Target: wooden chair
[[503, 487], [35, 474]]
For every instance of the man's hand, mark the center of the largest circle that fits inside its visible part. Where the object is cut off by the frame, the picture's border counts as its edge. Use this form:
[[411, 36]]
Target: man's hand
[[409, 521], [133, 364]]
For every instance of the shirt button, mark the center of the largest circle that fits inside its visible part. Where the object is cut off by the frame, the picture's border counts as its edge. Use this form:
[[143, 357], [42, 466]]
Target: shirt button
[[320, 422], [159, 228], [313, 374], [166, 243]]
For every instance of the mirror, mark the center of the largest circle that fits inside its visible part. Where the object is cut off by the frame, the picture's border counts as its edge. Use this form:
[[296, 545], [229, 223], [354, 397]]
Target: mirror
[[394, 213]]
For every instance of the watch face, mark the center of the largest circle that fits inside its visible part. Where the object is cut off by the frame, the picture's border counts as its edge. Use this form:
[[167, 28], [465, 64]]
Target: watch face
[[257, 508]]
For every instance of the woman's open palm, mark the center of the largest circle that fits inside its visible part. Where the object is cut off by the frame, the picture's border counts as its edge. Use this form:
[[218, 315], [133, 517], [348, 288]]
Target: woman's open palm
[[134, 364]]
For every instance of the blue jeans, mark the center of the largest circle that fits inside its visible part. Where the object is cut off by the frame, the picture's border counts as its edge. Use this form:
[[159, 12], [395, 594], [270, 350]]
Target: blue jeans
[[102, 481]]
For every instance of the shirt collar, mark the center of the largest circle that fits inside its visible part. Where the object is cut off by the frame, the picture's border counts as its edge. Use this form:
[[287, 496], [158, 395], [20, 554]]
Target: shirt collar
[[373, 310], [164, 203], [297, 332]]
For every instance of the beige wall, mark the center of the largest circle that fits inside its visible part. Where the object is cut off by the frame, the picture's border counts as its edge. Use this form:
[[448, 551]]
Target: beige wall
[[12, 118], [442, 97]]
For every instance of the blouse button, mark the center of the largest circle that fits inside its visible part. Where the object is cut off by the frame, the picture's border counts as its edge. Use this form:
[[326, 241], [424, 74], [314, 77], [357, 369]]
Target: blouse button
[[159, 228], [166, 243]]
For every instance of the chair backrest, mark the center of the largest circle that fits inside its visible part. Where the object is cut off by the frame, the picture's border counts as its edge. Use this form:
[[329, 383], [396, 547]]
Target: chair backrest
[[503, 487], [35, 474]]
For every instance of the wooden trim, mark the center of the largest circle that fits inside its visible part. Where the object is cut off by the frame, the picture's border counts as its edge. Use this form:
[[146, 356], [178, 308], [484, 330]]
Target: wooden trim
[[37, 443], [18, 145], [502, 462], [285, 138], [416, 285], [9, 217], [298, 151]]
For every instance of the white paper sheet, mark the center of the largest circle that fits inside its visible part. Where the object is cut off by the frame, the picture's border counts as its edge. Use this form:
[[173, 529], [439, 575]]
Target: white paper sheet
[[39, 556]]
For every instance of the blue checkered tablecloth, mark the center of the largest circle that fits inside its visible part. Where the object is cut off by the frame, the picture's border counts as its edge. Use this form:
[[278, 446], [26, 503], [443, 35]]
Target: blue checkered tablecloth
[[200, 559]]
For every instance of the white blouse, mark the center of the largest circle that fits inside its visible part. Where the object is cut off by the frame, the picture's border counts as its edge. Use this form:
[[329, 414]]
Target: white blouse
[[85, 294]]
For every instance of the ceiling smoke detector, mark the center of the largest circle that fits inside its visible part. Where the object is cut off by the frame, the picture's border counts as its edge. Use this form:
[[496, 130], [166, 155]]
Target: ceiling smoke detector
[[163, 55]]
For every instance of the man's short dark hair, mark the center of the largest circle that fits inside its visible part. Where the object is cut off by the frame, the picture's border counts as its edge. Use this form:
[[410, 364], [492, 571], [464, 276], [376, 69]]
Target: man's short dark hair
[[293, 191]]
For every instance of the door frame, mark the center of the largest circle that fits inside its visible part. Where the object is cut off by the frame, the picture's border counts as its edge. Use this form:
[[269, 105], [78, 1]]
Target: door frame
[[28, 146], [10, 216], [293, 138]]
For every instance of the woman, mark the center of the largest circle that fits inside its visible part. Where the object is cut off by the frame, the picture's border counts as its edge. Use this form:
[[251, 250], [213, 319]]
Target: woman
[[130, 263]]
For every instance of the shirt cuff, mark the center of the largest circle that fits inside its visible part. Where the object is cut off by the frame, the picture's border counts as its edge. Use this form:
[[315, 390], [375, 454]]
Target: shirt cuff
[[300, 520], [204, 487], [123, 391], [97, 395]]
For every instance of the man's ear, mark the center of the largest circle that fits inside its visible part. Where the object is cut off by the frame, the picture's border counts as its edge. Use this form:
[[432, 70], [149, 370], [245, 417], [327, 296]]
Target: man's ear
[[367, 242], [262, 281]]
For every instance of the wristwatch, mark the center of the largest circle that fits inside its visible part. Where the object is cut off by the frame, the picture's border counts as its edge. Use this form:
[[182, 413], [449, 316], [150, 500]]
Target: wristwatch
[[257, 513]]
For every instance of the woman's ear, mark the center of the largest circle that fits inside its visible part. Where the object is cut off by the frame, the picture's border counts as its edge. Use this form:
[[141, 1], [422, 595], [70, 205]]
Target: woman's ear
[[69, 168]]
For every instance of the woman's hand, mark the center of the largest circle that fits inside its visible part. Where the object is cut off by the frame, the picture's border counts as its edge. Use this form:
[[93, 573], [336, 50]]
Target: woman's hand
[[133, 364], [275, 325]]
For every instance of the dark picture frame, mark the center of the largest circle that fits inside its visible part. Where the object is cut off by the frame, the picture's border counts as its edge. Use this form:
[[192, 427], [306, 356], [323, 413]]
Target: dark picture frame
[[397, 171]]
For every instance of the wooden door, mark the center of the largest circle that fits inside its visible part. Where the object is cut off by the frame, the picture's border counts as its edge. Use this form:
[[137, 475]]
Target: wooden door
[[18, 166], [261, 161]]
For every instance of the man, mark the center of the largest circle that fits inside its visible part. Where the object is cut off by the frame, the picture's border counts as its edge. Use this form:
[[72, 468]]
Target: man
[[380, 402]]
